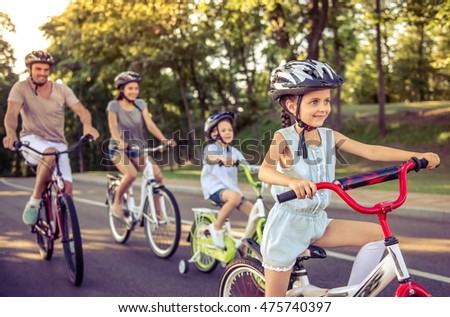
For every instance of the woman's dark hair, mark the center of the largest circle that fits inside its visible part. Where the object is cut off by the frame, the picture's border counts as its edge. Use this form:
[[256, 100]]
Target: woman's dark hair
[[119, 96]]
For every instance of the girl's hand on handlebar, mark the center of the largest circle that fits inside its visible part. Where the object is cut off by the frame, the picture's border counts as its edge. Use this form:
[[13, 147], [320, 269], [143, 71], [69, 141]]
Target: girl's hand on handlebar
[[432, 158], [303, 188]]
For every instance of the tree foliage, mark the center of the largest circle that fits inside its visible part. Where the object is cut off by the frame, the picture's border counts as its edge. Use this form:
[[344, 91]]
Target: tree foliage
[[198, 57]]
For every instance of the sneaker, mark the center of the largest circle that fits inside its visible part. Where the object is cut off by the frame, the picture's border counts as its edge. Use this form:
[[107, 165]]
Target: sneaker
[[217, 236], [30, 213]]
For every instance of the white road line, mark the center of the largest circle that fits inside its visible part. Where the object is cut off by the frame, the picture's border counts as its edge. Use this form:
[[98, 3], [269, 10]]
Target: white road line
[[341, 256]]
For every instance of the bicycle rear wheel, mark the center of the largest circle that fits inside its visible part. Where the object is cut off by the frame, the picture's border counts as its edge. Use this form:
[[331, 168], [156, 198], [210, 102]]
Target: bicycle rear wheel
[[243, 277], [71, 239], [203, 262], [44, 231], [163, 235], [119, 228]]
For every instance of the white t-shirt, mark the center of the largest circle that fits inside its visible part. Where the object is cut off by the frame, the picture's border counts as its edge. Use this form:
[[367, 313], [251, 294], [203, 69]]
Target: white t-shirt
[[215, 177]]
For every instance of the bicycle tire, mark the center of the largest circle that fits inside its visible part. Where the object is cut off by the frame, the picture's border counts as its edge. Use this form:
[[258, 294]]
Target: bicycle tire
[[163, 238], [71, 239], [43, 232], [204, 263], [243, 277], [120, 230]]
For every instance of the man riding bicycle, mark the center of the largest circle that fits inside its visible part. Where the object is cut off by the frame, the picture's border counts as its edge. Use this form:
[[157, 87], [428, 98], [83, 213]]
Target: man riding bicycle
[[40, 103]]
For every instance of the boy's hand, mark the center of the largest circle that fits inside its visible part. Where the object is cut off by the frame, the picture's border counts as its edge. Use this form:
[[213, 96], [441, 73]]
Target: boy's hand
[[432, 158], [227, 161], [303, 188]]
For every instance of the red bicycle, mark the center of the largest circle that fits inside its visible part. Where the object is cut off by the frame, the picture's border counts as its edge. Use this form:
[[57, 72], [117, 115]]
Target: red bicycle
[[60, 221], [245, 276]]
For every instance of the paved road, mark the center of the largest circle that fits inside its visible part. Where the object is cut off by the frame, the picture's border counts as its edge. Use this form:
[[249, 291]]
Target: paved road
[[131, 270]]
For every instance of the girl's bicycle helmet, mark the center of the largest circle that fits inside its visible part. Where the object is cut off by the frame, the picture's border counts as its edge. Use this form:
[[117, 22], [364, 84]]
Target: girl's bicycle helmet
[[300, 77], [214, 120], [126, 77]]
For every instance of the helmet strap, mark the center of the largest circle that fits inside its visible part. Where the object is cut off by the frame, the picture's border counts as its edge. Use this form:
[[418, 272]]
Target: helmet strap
[[302, 150], [130, 101], [36, 85]]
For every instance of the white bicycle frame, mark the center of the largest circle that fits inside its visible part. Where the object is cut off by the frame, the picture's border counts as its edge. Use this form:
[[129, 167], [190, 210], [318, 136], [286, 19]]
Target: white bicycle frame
[[148, 185], [391, 265]]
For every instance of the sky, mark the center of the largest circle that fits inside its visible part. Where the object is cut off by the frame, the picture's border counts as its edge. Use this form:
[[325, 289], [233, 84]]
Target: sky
[[27, 16]]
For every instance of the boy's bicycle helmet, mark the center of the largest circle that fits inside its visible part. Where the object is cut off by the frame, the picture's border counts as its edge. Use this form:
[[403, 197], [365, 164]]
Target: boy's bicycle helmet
[[214, 120], [38, 57], [299, 77], [125, 78]]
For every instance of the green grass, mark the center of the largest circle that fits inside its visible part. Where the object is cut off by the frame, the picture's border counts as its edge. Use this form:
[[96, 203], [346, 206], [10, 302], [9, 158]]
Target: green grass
[[432, 182]]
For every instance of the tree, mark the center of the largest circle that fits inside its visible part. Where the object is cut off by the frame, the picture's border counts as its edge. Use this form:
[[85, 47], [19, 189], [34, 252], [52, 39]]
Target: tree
[[7, 79], [381, 92]]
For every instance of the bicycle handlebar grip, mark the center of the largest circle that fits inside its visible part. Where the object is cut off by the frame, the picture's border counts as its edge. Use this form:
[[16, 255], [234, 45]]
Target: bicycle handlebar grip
[[17, 145], [420, 164], [286, 196], [89, 137]]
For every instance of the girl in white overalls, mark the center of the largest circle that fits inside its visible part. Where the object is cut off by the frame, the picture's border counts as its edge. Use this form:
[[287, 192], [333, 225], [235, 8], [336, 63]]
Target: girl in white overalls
[[301, 155]]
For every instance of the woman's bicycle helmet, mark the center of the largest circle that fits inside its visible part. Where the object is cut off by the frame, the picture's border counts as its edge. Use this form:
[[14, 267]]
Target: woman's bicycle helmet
[[214, 120], [38, 57], [126, 77], [300, 77]]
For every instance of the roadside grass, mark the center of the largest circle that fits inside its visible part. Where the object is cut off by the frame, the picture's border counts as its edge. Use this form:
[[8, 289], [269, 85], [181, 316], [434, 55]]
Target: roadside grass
[[426, 181]]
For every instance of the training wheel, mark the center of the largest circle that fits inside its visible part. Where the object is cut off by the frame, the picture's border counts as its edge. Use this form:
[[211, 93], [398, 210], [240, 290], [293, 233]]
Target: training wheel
[[183, 267]]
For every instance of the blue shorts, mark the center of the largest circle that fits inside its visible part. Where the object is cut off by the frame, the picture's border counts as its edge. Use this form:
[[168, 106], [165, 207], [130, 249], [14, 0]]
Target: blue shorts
[[216, 198], [113, 151]]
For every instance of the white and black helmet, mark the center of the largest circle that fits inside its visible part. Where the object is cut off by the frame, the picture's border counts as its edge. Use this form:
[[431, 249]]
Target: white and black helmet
[[38, 57], [300, 77], [125, 78], [214, 120]]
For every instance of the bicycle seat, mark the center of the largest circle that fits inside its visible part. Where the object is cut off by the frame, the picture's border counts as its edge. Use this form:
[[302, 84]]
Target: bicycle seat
[[312, 252]]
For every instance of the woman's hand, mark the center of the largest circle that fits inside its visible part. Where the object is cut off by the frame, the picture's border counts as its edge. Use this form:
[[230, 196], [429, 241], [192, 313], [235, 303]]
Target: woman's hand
[[169, 142], [303, 188]]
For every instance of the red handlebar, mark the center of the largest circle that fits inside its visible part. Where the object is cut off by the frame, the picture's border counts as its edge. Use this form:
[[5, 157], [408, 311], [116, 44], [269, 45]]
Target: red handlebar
[[340, 185]]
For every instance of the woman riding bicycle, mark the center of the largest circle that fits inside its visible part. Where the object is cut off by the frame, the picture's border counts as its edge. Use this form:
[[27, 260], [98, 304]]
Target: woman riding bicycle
[[301, 155], [127, 116], [220, 183]]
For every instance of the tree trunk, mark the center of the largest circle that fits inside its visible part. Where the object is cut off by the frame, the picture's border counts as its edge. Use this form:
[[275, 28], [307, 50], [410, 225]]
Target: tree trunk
[[337, 118], [381, 92], [318, 12], [190, 134]]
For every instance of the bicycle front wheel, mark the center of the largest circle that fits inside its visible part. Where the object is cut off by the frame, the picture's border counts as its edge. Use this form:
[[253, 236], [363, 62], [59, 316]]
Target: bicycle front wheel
[[71, 239], [243, 277], [44, 231], [119, 228], [163, 233]]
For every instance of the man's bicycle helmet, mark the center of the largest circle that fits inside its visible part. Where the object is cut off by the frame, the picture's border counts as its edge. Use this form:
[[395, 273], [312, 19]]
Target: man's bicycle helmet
[[214, 120], [300, 77], [38, 57], [125, 78]]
